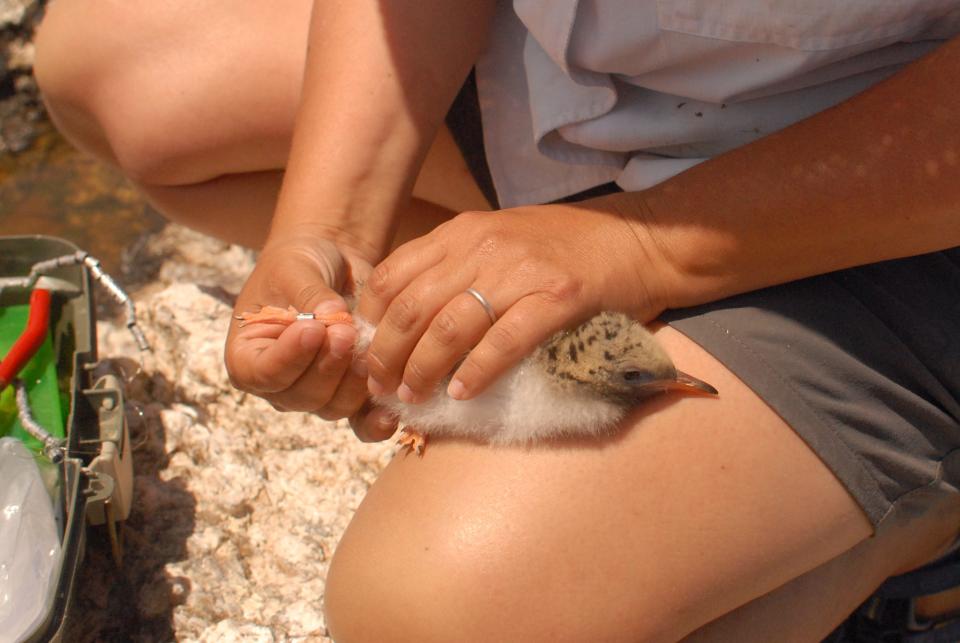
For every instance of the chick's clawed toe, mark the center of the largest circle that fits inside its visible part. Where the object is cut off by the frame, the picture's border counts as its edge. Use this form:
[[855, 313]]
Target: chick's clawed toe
[[412, 440]]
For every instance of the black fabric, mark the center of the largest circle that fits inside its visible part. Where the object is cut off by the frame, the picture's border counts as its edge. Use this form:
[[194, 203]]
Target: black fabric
[[890, 616], [936, 577], [463, 119]]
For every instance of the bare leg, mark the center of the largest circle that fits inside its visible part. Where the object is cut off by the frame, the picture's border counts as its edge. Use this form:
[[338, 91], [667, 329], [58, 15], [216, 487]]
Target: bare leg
[[945, 602], [699, 508], [250, 199], [807, 608], [196, 101]]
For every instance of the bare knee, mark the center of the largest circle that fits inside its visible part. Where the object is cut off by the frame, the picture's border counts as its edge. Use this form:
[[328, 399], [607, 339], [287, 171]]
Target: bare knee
[[72, 67], [384, 586], [96, 66], [171, 93], [426, 566], [388, 588]]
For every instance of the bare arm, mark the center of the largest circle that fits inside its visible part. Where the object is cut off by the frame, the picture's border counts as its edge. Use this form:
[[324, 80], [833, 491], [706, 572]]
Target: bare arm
[[380, 75], [875, 178]]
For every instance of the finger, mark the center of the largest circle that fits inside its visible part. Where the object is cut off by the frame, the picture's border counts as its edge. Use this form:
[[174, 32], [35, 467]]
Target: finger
[[261, 361], [395, 273], [373, 424], [515, 335], [315, 284], [329, 306], [457, 328], [405, 321], [350, 395], [315, 388]]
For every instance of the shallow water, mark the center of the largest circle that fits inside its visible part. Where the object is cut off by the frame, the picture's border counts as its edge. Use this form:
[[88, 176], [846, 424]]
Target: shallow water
[[51, 188]]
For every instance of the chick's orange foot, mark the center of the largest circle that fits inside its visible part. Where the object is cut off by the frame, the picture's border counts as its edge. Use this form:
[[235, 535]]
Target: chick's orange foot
[[412, 440]]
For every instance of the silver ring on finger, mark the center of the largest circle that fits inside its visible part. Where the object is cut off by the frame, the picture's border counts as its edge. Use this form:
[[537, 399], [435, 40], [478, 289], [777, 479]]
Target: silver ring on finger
[[483, 302]]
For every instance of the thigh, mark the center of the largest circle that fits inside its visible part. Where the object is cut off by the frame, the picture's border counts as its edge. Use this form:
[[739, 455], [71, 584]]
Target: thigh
[[176, 89], [182, 93], [697, 507], [809, 607]]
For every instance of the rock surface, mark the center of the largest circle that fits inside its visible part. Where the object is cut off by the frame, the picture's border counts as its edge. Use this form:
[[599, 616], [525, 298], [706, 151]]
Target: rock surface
[[20, 107], [238, 507]]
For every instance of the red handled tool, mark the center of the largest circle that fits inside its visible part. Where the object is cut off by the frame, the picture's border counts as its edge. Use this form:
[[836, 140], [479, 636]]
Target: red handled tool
[[30, 340]]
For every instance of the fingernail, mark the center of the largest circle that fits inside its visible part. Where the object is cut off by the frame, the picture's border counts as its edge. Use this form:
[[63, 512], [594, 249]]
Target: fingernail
[[406, 394], [385, 426], [340, 347], [311, 338], [388, 422], [457, 390], [359, 367], [328, 306], [375, 387]]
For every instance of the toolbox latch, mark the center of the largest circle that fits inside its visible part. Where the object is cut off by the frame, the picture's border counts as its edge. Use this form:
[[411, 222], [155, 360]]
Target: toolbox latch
[[115, 459]]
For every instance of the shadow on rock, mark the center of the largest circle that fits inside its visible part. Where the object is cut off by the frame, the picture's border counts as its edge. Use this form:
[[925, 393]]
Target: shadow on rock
[[137, 599]]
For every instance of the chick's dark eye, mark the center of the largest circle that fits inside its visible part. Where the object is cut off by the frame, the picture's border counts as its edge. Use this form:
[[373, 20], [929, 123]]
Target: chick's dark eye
[[635, 377]]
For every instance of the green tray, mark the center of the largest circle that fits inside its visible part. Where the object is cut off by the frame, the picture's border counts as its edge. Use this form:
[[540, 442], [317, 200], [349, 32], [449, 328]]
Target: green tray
[[40, 377]]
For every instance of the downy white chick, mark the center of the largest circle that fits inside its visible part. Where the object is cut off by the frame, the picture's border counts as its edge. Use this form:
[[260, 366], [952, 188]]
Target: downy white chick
[[580, 382]]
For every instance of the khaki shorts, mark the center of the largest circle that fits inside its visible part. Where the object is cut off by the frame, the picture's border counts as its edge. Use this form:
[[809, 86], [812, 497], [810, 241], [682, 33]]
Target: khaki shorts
[[863, 363]]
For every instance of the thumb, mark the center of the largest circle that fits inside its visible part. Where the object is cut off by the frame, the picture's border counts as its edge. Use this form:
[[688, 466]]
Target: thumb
[[261, 361], [373, 423], [314, 279]]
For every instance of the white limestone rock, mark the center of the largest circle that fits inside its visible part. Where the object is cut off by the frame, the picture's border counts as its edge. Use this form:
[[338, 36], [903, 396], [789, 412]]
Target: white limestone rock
[[240, 631], [238, 507], [20, 56], [13, 13]]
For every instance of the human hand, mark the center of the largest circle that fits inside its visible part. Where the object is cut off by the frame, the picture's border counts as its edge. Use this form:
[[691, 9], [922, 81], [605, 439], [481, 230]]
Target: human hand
[[305, 366], [542, 268]]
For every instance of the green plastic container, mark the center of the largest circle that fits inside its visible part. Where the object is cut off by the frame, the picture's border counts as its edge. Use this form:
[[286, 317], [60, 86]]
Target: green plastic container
[[93, 484], [40, 379]]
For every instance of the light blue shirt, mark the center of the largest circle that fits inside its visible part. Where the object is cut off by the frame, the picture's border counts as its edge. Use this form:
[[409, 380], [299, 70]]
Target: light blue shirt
[[574, 94]]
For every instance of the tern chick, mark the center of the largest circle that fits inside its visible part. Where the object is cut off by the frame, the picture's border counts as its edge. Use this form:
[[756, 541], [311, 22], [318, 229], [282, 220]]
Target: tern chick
[[580, 382]]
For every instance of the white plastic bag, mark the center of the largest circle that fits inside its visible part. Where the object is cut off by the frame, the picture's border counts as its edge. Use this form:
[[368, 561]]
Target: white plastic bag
[[29, 543]]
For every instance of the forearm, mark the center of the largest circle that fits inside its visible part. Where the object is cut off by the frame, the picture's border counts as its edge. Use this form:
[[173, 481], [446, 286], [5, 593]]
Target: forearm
[[875, 178], [379, 77]]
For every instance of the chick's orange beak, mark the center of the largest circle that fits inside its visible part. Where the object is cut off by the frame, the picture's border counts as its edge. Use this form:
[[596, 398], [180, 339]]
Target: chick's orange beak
[[689, 384]]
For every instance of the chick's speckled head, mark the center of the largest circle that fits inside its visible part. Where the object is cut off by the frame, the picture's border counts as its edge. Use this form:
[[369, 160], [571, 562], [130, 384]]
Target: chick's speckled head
[[614, 357]]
